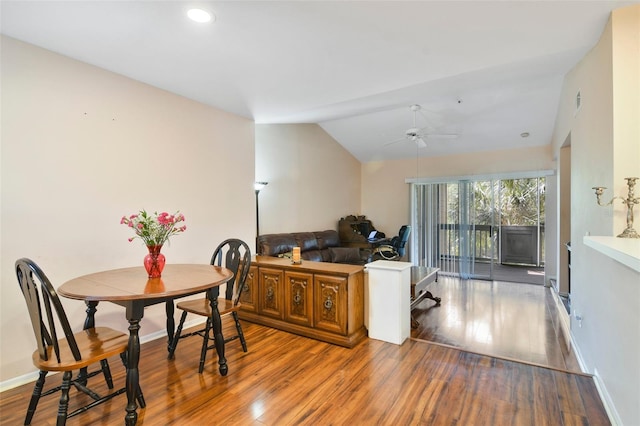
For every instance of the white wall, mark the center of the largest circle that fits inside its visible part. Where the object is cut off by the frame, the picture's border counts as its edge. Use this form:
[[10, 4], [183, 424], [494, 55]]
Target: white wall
[[312, 180], [605, 144], [81, 147]]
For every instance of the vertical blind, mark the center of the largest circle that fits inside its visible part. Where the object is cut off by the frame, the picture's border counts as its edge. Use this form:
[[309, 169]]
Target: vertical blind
[[443, 239]]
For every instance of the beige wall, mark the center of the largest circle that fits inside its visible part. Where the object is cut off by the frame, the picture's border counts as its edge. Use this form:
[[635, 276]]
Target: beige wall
[[81, 147], [604, 149], [386, 196], [313, 181], [626, 101]]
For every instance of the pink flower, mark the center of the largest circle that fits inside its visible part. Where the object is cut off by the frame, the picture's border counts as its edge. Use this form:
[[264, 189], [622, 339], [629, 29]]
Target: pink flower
[[154, 229]]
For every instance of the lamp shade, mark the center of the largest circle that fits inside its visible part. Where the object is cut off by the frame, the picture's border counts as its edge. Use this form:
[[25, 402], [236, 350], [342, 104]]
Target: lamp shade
[[259, 185]]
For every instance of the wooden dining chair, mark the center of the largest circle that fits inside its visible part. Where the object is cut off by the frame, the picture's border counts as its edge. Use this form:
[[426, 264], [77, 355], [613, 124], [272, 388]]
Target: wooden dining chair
[[232, 254], [71, 352]]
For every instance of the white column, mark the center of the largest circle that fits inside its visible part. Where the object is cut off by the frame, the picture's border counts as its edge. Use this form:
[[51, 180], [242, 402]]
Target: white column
[[389, 311]]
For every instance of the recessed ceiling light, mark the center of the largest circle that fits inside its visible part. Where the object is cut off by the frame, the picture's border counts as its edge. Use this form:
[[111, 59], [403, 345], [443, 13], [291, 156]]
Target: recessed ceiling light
[[199, 15], [524, 134]]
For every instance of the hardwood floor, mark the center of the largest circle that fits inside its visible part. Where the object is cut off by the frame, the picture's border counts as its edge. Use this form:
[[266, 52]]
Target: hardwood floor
[[286, 379], [503, 319]]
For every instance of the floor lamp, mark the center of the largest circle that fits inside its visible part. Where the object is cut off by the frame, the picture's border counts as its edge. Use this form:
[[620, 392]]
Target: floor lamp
[[258, 186]]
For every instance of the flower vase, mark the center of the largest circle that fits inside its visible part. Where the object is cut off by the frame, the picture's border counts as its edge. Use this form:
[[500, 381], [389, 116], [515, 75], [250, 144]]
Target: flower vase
[[154, 261]]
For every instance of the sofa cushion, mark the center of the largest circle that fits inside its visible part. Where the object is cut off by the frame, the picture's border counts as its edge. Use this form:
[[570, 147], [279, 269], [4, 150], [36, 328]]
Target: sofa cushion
[[306, 241], [312, 255], [345, 255], [275, 244], [328, 238]]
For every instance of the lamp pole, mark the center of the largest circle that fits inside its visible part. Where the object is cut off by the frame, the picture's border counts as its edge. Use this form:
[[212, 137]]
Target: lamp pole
[[258, 186]]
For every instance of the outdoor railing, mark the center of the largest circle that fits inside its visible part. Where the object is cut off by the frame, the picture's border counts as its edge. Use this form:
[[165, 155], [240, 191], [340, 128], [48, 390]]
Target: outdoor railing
[[485, 241]]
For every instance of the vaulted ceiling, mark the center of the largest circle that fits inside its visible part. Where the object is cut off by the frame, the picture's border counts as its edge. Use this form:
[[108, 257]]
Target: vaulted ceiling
[[483, 71]]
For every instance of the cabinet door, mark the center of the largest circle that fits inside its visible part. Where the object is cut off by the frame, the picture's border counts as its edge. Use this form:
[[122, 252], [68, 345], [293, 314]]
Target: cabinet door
[[298, 298], [249, 296], [271, 298], [330, 303]]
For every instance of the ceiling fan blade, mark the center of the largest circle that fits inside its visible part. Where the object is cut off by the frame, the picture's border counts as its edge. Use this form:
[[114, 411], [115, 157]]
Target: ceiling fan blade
[[395, 141], [440, 136], [421, 143], [433, 120]]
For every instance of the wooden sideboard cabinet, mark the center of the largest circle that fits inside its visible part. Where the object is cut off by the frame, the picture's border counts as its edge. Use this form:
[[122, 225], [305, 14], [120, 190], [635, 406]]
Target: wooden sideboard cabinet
[[324, 301]]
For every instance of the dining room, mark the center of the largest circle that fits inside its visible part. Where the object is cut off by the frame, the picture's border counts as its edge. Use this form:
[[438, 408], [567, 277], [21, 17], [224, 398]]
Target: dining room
[[81, 149]]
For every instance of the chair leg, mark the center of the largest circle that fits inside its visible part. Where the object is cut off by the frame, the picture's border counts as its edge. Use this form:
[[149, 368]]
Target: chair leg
[[239, 329], [64, 399], [140, 398], [176, 335], [106, 371], [35, 397], [83, 375], [205, 344]]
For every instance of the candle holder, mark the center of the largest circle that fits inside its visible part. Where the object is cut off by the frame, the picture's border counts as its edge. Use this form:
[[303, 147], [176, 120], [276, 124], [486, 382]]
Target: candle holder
[[629, 232], [295, 256]]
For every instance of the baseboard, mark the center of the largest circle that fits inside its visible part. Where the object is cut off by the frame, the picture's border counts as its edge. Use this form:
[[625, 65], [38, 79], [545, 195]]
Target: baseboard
[[609, 406], [33, 376], [565, 320], [576, 350], [552, 282]]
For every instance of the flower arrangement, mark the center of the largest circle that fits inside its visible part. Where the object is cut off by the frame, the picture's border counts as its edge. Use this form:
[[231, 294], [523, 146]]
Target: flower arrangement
[[154, 229]]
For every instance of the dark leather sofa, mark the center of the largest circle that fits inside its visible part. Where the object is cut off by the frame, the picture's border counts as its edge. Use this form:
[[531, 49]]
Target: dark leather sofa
[[317, 246]]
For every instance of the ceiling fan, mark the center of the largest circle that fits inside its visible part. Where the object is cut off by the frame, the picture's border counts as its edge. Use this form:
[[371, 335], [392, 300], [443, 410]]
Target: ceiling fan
[[418, 135]]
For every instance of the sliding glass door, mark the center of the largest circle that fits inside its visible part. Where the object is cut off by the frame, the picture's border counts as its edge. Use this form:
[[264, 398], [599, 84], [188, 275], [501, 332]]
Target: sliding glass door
[[459, 224]]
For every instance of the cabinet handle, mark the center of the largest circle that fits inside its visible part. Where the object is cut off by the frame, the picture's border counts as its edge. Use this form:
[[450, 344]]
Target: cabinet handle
[[270, 293], [328, 304], [297, 299]]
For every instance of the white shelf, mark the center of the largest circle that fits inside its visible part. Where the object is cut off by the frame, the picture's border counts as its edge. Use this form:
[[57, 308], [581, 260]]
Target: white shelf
[[623, 250]]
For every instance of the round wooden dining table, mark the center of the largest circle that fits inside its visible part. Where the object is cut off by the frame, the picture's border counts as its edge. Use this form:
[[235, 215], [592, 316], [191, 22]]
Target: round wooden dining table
[[132, 289]]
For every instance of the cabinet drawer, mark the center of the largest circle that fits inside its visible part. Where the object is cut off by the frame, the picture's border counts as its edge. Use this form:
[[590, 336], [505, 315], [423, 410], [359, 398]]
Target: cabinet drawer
[[271, 297], [298, 295], [330, 303]]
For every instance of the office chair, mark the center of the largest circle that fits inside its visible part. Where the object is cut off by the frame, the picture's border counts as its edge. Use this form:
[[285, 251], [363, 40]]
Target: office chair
[[393, 249]]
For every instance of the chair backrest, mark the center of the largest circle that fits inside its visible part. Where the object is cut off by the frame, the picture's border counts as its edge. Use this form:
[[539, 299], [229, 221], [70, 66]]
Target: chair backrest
[[399, 242], [235, 255], [45, 310]]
